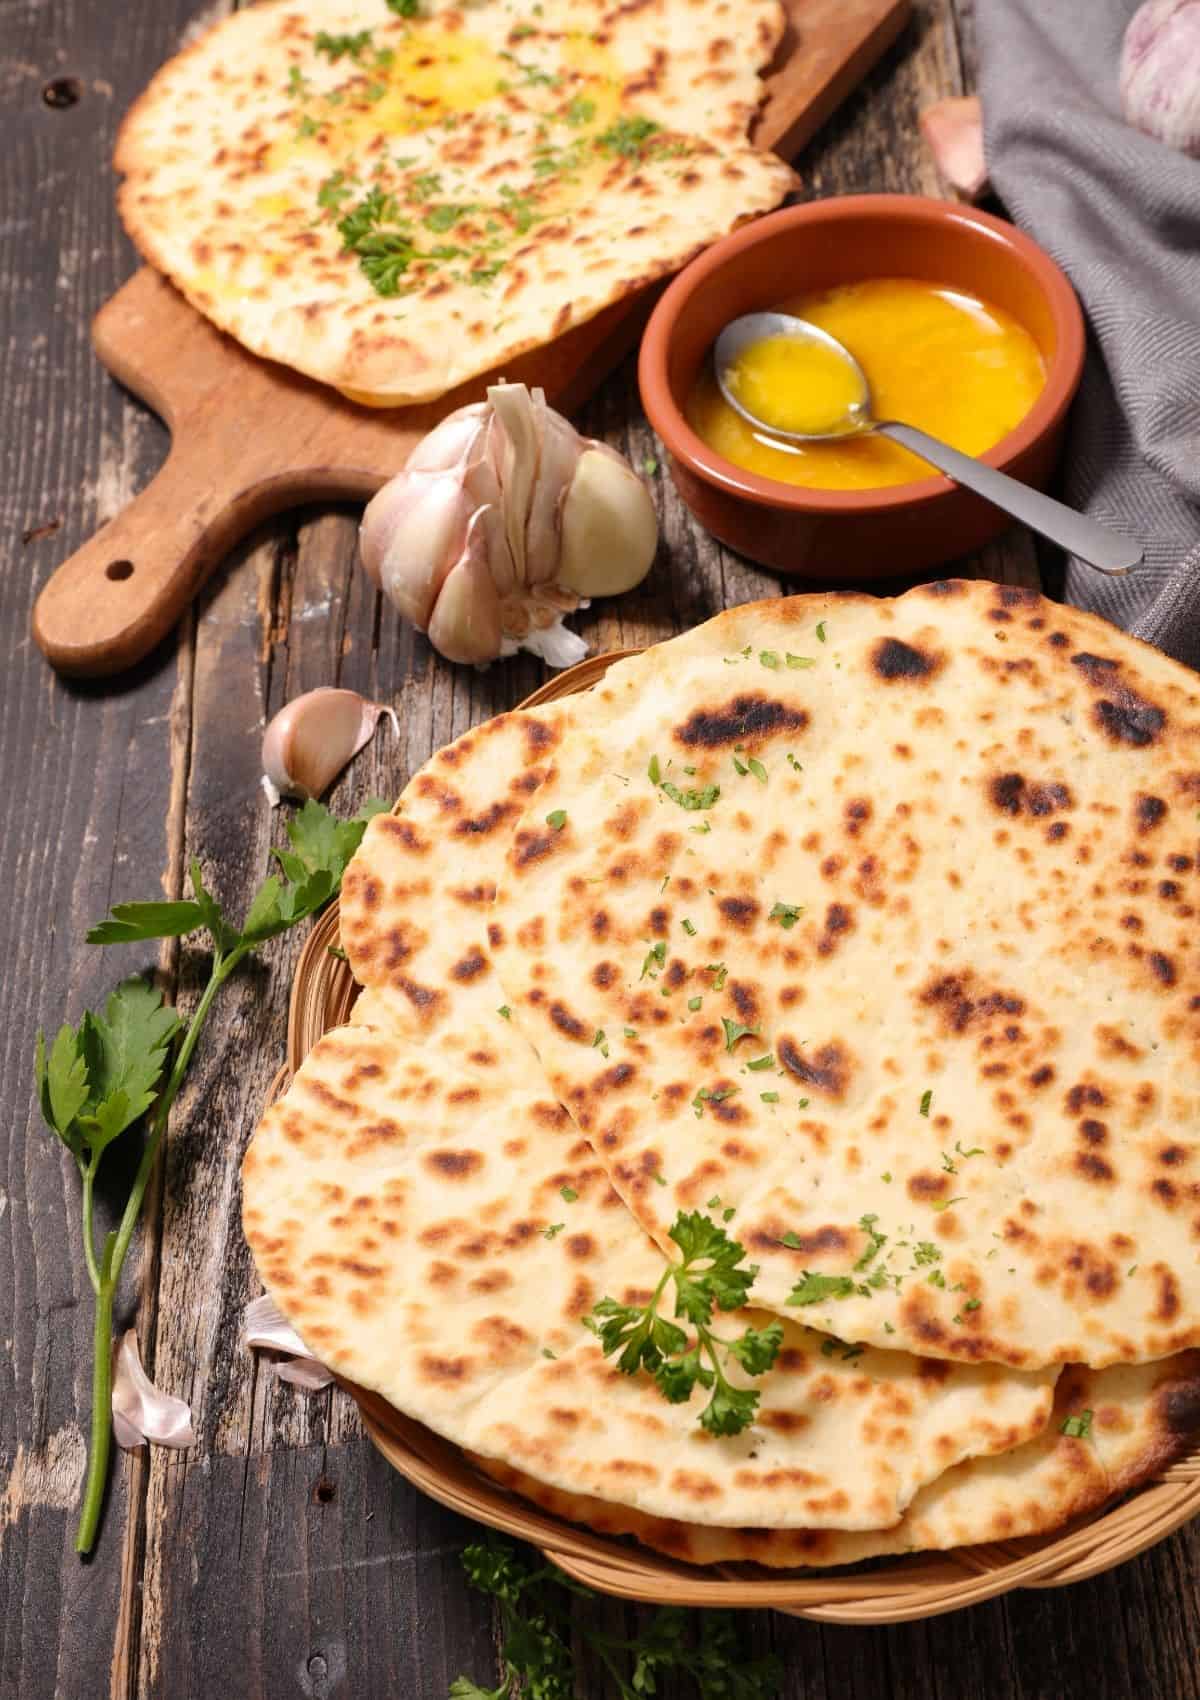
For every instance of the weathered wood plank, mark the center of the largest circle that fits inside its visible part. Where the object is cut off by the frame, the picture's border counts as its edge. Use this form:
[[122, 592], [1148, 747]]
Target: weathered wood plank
[[88, 785]]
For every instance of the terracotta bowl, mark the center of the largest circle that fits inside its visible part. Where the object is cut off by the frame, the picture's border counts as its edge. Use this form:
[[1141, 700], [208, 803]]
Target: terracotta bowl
[[840, 536]]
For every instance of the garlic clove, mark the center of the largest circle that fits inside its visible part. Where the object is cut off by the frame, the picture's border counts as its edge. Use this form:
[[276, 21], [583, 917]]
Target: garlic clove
[[609, 527], [465, 625], [451, 442], [264, 1324], [561, 449], [514, 409], [313, 737], [953, 132], [412, 532], [140, 1412]]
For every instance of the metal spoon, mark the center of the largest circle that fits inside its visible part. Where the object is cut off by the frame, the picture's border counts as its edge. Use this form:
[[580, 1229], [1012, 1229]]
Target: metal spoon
[[1095, 544]]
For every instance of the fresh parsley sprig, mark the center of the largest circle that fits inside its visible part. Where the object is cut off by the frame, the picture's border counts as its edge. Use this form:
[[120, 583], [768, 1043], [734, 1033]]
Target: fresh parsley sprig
[[538, 1625], [709, 1275], [98, 1079]]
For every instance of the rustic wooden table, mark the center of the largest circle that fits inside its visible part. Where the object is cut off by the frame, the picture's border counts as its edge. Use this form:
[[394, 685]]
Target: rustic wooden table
[[280, 1556]]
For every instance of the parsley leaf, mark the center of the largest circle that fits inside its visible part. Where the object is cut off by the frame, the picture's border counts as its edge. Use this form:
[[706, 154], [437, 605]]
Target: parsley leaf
[[538, 1625], [709, 1275], [336, 47], [813, 1289], [926, 1100], [1078, 1428], [100, 1078], [628, 136], [692, 798], [735, 1031], [798, 661], [787, 914], [404, 8]]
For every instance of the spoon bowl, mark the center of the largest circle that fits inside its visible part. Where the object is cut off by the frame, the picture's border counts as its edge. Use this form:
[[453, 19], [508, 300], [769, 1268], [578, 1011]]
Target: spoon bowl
[[742, 333], [1098, 547]]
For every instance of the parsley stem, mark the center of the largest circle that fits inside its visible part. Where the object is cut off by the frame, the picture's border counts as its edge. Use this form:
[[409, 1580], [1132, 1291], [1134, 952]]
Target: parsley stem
[[88, 1171], [102, 1345], [221, 969], [115, 1248]]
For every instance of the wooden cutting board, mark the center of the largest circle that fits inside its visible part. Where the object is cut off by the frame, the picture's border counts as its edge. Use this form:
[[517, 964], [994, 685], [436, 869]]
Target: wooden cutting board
[[249, 438]]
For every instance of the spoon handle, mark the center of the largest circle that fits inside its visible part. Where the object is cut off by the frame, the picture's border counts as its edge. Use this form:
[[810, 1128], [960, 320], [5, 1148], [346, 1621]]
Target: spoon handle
[[1101, 548]]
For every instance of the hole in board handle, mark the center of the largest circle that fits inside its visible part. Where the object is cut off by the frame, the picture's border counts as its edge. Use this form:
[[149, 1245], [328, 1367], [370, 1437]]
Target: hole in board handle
[[119, 570], [62, 92]]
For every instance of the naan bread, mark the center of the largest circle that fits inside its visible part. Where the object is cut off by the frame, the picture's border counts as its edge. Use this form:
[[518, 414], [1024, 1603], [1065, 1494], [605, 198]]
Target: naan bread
[[1143, 1417], [949, 883], [404, 1204], [507, 173], [416, 898]]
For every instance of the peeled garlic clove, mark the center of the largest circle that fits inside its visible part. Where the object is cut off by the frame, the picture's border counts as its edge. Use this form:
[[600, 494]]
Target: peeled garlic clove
[[412, 532], [466, 622], [264, 1324], [312, 738], [140, 1412], [609, 527], [1160, 73]]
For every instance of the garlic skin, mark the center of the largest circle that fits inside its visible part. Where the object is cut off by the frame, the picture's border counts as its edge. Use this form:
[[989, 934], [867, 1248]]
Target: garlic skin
[[313, 737], [953, 133], [1160, 73], [264, 1324], [504, 520], [139, 1411]]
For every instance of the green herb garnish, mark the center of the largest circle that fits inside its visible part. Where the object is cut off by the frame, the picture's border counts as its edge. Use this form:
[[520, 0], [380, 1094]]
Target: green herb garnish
[[337, 47], [557, 819], [97, 1080], [798, 661], [1078, 1428], [787, 914], [709, 1275], [926, 1100], [538, 1627], [735, 1031], [814, 1289]]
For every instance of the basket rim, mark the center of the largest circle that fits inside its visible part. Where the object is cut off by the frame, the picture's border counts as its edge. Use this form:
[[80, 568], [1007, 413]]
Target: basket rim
[[920, 1585]]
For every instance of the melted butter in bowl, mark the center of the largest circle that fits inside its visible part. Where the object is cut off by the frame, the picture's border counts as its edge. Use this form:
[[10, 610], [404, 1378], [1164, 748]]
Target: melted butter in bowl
[[934, 357]]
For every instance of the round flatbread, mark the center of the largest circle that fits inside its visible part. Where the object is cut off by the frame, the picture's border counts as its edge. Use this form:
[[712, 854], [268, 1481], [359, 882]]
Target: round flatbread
[[395, 204], [899, 899], [435, 1228], [1111, 1430]]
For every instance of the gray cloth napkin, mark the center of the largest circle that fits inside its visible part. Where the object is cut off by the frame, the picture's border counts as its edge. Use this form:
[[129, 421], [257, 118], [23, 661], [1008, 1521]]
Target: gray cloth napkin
[[1121, 215]]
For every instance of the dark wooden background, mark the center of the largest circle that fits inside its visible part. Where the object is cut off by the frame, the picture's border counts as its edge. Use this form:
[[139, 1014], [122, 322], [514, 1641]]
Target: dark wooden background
[[280, 1556]]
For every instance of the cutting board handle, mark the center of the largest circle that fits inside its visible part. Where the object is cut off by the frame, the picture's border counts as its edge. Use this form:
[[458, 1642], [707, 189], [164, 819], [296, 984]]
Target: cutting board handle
[[114, 599]]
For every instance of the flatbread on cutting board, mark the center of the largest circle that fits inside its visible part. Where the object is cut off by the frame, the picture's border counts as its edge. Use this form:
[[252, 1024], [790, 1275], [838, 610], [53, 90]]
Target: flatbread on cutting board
[[404, 1203], [939, 855], [394, 205], [1139, 1417]]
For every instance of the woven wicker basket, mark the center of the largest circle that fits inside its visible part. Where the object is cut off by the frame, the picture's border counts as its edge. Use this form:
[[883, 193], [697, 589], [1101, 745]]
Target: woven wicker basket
[[896, 1591]]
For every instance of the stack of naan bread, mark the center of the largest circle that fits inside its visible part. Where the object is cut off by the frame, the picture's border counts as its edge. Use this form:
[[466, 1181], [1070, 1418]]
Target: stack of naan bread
[[938, 859], [395, 195]]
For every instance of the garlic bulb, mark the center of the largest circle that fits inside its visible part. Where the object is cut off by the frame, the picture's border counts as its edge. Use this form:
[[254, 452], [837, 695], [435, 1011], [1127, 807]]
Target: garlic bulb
[[504, 520], [140, 1412], [1160, 73], [311, 739]]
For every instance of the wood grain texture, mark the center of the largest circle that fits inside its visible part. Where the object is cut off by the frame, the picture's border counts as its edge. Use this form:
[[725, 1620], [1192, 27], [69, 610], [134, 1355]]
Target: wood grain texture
[[280, 1557], [126, 588]]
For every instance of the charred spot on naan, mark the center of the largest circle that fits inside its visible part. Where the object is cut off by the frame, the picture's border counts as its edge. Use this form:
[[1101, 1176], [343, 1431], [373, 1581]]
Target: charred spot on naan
[[895, 661], [748, 718]]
